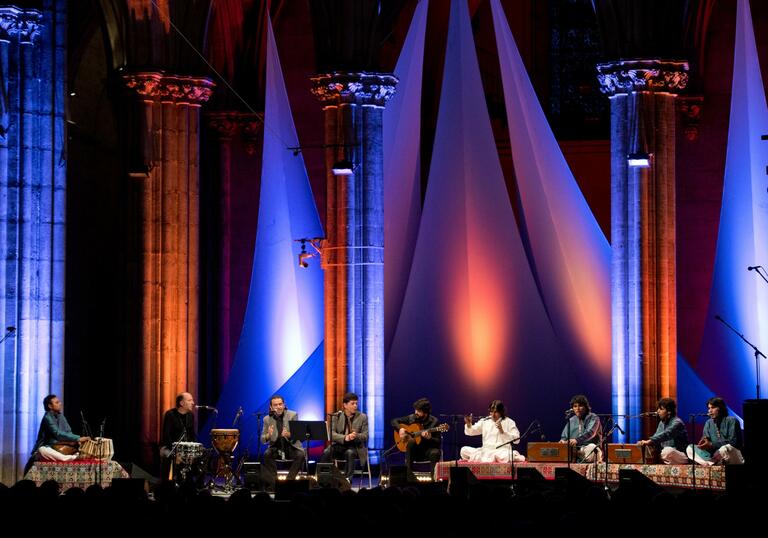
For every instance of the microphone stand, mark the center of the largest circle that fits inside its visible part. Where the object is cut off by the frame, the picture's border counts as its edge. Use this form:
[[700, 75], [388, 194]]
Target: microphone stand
[[385, 461], [692, 457], [511, 444], [758, 353], [569, 450], [244, 455], [454, 418], [100, 473], [606, 438], [172, 455], [260, 426]]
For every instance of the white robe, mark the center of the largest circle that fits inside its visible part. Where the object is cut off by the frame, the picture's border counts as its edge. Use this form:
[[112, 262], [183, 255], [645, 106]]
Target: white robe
[[492, 437]]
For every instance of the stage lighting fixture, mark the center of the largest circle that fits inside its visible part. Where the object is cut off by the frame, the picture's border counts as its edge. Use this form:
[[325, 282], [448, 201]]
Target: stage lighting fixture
[[304, 256], [343, 167], [639, 160]]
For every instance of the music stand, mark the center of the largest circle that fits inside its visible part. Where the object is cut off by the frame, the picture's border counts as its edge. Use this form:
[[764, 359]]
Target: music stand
[[306, 431]]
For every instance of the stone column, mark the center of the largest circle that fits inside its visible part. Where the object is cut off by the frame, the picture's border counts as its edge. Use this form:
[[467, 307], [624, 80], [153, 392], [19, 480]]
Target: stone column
[[353, 251], [32, 222], [229, 127], [170, 207], [642, 94]]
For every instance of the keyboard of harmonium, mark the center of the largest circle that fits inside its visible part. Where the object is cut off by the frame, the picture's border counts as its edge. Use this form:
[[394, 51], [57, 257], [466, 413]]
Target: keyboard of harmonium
[[628, 453], [548, 452]]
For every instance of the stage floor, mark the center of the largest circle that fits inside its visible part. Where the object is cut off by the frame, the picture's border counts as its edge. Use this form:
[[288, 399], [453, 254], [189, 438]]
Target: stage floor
[[676, 476]]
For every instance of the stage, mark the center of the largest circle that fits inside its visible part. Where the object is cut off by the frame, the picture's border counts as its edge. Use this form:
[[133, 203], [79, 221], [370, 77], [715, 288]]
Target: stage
[[672, 476]]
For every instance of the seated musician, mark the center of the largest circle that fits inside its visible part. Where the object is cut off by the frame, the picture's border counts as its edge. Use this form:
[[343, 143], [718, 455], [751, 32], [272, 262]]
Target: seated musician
[[428, 449], [277, 433], [583, 431], [178, 425], [720, 442], [670, 435], [496, 429], [349, 435], [55, 440]]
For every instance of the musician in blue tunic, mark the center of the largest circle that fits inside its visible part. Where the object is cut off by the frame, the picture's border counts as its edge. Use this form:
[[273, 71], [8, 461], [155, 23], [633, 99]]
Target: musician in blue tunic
[[721, 440], [670, 434], [583, 431]]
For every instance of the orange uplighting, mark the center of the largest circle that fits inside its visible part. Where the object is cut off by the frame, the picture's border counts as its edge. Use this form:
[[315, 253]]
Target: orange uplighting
[[143, 9], [480, 325], [587, 304]]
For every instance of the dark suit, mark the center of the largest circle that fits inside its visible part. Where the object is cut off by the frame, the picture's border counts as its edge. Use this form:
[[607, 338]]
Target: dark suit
[[291, 448], [426, 449], [348, 450]]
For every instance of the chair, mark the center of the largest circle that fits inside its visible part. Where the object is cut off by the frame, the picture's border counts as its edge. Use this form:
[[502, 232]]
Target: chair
[[359, 472]]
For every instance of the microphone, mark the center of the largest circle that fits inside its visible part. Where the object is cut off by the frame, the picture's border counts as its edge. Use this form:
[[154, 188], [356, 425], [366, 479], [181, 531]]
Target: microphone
[[648, 414], [237, 416], [752, 268], [208, 407], [484, 418], [568, 412], [10, 329]]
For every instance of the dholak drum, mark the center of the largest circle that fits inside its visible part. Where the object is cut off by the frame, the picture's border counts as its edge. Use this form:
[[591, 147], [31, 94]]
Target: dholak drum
[[99, 449], [225, 440], [188, 451]]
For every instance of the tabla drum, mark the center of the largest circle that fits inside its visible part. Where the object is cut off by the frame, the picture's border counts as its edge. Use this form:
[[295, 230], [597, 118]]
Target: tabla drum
[[100, 448], [225, 440], [188, 451]]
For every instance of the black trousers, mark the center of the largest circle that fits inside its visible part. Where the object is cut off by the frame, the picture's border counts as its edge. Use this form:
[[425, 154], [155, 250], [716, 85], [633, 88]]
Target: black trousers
[[424, 451], [270, 466], [341, 452]]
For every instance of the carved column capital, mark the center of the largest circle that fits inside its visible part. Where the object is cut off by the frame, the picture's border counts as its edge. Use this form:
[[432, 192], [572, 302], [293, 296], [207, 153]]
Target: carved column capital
[[228, 124], [356, 88], [251, 129], [690, 108], [22, 23], [626, 76], [224, 124], [176, 89]]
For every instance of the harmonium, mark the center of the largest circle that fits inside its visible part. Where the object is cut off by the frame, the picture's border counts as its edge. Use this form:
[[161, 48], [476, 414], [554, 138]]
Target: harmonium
[[548, 452], [630, 453]]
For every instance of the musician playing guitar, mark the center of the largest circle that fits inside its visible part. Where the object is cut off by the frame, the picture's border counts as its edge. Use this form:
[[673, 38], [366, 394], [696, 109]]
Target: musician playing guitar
[[421, 433]]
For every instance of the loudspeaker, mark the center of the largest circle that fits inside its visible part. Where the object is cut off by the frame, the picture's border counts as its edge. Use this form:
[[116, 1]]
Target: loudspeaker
[[530, 474], [134, 471], [637, 483], [398, 475], [129, 487], [252, 475], [573, 481], [755, 432], [286, 490], [329, 476], [462, 478]]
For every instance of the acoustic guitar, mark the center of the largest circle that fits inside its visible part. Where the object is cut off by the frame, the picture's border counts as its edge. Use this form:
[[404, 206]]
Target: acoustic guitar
[[412, 431]]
